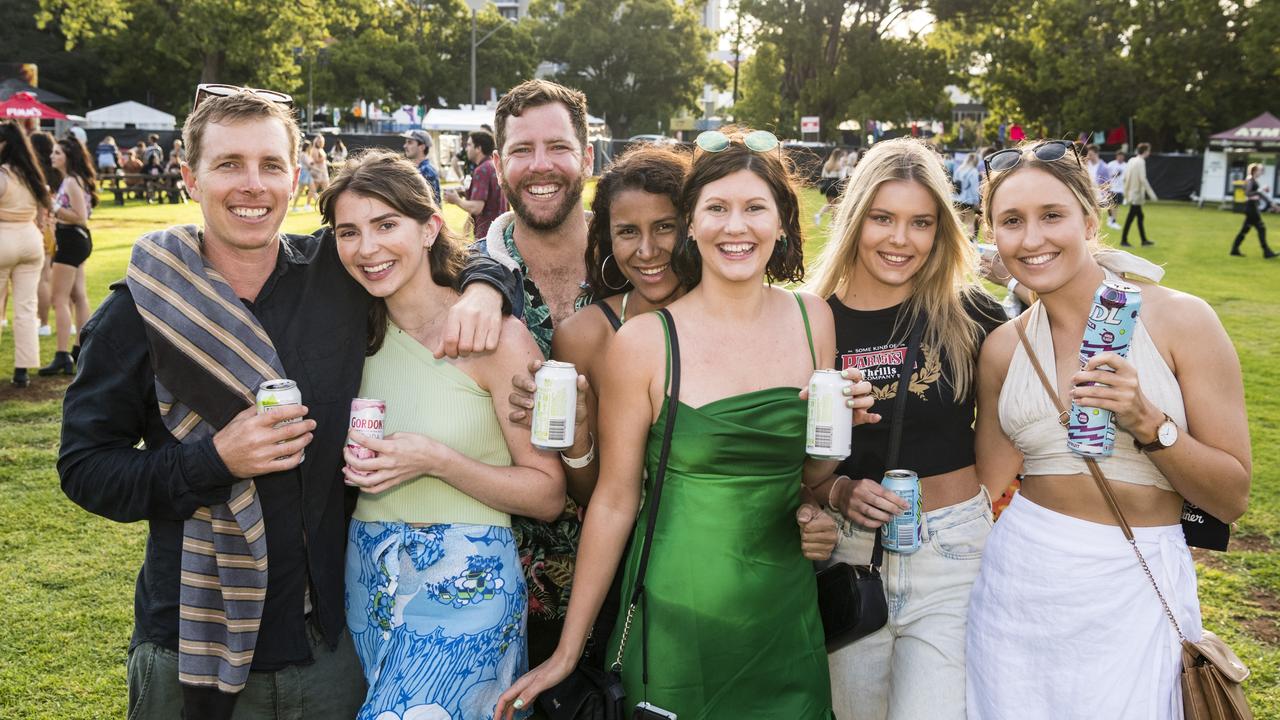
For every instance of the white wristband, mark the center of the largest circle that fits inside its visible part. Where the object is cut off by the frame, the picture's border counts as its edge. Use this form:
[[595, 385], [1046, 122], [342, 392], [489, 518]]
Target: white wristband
[[585, 460]]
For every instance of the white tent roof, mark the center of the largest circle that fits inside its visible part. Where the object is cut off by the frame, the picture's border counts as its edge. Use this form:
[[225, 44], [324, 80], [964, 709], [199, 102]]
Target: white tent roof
[[467, 119], [130, 113]]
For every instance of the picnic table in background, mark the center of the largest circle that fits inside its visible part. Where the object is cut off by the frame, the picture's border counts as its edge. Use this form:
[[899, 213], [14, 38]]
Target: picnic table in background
[[141, 186]]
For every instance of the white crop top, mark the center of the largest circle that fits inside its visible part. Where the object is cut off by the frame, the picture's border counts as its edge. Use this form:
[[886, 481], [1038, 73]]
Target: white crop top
[[1028, 416]]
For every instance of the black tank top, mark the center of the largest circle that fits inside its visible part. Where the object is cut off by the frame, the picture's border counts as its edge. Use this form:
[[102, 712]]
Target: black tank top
[[937, 428], [609, 314]]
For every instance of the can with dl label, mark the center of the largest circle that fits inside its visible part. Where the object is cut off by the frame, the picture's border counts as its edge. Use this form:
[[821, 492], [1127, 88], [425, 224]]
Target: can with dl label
[[829, 431], [1091, 432], [367, 418], [555, 404], [904, 533]]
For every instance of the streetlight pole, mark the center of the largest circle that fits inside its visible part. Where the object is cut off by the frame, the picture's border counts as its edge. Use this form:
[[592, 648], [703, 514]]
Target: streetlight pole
[[474, 45]]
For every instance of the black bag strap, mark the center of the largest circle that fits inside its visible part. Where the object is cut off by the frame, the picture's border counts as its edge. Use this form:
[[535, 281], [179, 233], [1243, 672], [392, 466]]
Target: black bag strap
[[673, 402], [899, 410]]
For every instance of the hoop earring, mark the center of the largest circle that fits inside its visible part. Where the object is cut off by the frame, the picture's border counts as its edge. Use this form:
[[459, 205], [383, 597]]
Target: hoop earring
[[604, 279]]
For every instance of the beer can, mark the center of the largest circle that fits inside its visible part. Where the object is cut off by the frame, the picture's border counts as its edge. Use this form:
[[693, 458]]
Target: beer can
[[904, 533], [367, 418], [829, 431], [1091, 432], [278, 393], [555, 405]]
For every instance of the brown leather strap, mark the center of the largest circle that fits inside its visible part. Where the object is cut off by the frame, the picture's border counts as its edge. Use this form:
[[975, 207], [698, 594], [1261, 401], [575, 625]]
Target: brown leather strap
[[1098, 477]]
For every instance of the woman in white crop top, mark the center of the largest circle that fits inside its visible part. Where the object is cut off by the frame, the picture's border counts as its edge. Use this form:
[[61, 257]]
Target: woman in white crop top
[[1063, 622]]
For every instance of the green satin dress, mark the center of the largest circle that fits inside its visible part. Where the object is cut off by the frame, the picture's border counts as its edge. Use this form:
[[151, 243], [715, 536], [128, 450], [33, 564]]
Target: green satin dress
[[730, 602]]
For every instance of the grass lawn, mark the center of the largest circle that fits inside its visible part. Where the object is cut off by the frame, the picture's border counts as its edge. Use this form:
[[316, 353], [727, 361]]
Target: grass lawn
[[66, 585]]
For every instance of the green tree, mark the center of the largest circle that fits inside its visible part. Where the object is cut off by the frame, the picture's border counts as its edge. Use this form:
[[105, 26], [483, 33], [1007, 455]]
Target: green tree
[[843, 59], [169, 46], [638, 61]]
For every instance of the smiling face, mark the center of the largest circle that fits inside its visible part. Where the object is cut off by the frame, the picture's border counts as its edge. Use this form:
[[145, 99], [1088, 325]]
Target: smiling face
[[736, 225], [644, 230], [542, 167], [243, 182], [894, 241], [1041, 229], [384, 250]]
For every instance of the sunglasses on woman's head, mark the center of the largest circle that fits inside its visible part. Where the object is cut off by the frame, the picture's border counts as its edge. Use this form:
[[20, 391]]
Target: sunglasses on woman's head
[[1047, 151], [714, 141], [204, 91]]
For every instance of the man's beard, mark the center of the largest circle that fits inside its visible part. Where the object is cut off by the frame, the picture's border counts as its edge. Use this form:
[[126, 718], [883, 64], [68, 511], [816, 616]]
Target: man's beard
[[572, 200]]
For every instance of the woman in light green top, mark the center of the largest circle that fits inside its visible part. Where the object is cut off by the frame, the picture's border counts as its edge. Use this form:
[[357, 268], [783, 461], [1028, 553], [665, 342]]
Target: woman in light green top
[[436, 600]]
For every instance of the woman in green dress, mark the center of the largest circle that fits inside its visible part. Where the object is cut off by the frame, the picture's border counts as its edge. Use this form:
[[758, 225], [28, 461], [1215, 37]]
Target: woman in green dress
[[728, 626]]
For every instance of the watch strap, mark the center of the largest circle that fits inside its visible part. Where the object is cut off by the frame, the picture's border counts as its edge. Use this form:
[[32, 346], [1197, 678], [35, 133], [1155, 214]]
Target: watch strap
[[1154, 444]]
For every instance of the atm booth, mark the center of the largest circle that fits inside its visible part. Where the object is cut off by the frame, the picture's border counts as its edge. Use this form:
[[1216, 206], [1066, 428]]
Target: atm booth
[[1229, 155]]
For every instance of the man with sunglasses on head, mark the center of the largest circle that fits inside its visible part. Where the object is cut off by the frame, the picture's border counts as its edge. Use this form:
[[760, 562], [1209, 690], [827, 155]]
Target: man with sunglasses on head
[[247, 513]]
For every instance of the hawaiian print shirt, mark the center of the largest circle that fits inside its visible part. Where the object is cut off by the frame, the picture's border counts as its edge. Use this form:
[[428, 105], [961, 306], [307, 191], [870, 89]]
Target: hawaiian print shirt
[[547, 550]]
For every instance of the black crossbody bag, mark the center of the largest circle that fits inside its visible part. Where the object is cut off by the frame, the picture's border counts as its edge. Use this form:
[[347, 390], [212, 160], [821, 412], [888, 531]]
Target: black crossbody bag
[[590, 693], [851, 599]]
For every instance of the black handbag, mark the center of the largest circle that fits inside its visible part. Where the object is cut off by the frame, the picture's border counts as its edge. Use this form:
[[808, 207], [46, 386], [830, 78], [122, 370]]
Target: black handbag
[[851, 599], [590, 693]]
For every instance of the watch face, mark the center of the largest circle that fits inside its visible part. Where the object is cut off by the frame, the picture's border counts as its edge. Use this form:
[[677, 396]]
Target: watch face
[[1167, 433]]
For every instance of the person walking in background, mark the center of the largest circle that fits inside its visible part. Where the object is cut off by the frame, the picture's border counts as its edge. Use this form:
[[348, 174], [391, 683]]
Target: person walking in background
[[72, 206], [338, 155], [1136, 192], [319, 161], [967, 179], [1100, 173], [833, 170], [417, 147], [1115, 169], [24, 203], [42, 145], [483, 199], [1255, 202], [303, 192], [432, 526]]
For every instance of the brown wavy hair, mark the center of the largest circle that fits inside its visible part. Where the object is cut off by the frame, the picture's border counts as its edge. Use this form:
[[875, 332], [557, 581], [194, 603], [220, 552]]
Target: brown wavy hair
[[786, 263], [649, 168], [80, 166], [536, 93], [390, 178], [21, 158]]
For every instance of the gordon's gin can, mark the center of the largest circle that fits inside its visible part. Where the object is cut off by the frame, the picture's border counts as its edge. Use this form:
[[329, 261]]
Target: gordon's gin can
[[555, 405], [1091, 432], [904, 533], [367, 418], [829, 432], [278, 393]]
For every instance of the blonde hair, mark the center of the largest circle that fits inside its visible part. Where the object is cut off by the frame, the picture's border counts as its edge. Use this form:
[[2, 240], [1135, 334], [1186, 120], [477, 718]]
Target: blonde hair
[[230, 109], [946, 280]]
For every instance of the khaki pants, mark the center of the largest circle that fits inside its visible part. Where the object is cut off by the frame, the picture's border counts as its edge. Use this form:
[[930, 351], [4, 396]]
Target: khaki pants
[[331, 688], [21, 258]]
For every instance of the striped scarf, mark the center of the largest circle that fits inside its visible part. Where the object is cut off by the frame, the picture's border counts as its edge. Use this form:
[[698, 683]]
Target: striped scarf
[[209, 354]]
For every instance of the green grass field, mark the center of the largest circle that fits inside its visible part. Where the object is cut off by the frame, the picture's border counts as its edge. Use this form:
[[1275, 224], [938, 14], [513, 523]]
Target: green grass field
[[66, 584]]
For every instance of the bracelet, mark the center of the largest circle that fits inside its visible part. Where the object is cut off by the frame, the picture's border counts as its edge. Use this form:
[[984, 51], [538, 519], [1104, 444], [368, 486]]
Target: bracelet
[[830, 503], [585, 460], [1013, 284]]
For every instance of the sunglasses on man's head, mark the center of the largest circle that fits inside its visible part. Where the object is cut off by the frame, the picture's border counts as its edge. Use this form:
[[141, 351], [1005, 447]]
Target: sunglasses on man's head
[[204, 91], [714, 141], [1047, 151]]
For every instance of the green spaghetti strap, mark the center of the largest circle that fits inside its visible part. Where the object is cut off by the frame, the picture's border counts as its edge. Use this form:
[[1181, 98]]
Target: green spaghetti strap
[[808, 332], [666, 338]]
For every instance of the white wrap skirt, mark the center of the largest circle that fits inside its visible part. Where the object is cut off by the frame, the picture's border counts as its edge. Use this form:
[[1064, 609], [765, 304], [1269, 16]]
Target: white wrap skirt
[[1063, 622]]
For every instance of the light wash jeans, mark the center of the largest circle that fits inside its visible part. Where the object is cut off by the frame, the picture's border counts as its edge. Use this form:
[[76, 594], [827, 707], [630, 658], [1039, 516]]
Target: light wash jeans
[[913, 667]]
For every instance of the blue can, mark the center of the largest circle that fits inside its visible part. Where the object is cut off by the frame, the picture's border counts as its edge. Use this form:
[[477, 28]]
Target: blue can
[[904, 533], [1091, 432]]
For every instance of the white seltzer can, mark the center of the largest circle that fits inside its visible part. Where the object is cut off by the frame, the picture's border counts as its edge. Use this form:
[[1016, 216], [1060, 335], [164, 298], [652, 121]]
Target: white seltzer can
[[555, 404], [278, 393], [829, 432]]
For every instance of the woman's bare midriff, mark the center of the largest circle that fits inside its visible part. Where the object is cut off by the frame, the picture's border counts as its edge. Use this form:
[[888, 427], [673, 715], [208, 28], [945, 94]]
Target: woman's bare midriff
[[1079, 497], [949, 488]]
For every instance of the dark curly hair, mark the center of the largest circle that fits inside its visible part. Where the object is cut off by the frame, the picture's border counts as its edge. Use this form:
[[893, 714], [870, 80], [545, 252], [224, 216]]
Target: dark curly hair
[[787, 261], [650, 168]]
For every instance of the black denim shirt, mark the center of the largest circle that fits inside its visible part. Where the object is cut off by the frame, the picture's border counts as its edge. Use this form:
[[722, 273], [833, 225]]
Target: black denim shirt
[[316, 316]]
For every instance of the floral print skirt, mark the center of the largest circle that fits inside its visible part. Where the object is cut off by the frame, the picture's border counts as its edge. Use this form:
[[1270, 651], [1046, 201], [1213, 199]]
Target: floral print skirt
[[437, 614]]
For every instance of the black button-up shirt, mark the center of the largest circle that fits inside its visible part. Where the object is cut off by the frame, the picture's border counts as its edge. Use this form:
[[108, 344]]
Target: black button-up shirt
[[316, 316]]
